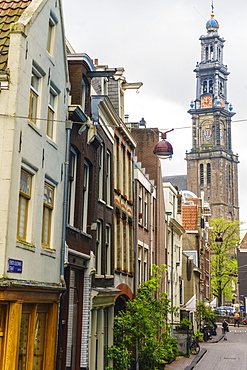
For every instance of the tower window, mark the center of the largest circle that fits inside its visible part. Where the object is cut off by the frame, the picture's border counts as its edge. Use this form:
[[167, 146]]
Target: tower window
[[201, 175], [208, 173], [211, 52], [207, 53], [211, 86], [205, 87]]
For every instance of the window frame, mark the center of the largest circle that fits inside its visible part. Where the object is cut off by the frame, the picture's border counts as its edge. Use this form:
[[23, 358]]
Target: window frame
[[51, 34], [108, 249], [98, 247], [101, 172], [72, 186], [24, 195], [85, 200], [34, 95], [47, 223], [108, 177]]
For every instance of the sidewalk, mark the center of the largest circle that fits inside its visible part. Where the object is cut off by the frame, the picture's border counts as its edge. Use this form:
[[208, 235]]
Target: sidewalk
[[185, 363]]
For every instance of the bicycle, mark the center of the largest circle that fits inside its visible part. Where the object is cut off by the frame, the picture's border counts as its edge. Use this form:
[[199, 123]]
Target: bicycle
[[195, 346]]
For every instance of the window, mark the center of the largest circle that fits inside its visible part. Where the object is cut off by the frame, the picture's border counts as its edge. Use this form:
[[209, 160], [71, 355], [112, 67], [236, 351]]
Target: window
[[201, 175], [101, 171], [192, 254], [108, 178], [205, 87], [108, 250], [208, 173], [48, 205], [140, 204], [145, 210], [98, 251], [51, 113], [145, 265], [139, 265], [34, 95], [86, 176], [24, 198], [51, 34], [211, 86], [72, 186]]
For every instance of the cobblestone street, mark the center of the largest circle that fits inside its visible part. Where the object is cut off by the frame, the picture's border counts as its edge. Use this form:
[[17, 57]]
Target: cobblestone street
[[224, 355]]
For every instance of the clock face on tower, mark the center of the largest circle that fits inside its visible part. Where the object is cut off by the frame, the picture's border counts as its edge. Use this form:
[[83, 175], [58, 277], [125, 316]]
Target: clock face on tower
[[206, 101]]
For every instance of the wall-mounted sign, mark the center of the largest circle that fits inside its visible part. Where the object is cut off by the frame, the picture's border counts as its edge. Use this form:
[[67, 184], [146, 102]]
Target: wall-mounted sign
[[14, 265]]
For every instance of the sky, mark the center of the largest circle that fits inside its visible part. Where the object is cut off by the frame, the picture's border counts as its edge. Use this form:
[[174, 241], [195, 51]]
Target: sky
[[157, 43]]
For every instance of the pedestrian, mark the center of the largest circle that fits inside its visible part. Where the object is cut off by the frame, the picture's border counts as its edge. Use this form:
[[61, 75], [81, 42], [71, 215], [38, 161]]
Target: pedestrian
[[225, 329], [236, 318]]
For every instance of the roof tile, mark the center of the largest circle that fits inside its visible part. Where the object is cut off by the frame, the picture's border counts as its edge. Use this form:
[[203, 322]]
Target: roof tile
[[10, 12]]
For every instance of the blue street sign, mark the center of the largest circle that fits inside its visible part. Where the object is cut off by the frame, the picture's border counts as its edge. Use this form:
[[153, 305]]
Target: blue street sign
[[14, 265]]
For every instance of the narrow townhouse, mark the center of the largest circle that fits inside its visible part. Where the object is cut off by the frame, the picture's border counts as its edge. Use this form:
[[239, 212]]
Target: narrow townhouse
[[173, 208], [146, 139], [33, 113], [89, 303], [145, 197], [195, 220]]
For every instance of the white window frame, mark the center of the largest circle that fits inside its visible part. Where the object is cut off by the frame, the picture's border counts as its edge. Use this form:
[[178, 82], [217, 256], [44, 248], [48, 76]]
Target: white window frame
[[140, 219], [72, 186], [24, 196], [145, 210], [51, 112], [86, 177], [108, 177], [51, 34], [98, 247], [34, 97], [139, 265], [145, 264], [46, 240], [101, 172], [108, 249]]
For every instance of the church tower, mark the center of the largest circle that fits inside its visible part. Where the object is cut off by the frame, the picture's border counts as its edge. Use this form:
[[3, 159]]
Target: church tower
[[211, 164]]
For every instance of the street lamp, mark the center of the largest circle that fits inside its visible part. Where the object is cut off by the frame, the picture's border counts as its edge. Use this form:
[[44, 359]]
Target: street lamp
[[218, 238], [163, 149]]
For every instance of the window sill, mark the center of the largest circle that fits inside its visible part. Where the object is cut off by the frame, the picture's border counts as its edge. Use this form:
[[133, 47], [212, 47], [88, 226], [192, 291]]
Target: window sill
[[34, 127], [51, 142], [50, 58], [109, 276], [101, 201], [78, 231], [98, 276], [109, 206], [25, 245], [48, 252]]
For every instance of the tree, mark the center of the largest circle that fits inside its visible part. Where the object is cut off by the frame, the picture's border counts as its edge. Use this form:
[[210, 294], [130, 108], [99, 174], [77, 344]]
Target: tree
[[204, 314], [143, 329], [223, 257]]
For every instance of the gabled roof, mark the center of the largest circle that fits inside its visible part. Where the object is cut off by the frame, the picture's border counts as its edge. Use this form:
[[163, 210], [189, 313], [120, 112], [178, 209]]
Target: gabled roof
[[10, 12], [189, 217], [243, 244]]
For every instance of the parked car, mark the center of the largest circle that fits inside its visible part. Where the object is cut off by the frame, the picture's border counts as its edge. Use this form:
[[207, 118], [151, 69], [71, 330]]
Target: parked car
[[224, 311]]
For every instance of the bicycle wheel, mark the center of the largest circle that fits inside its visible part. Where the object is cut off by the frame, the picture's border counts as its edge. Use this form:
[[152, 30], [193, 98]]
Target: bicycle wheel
[[195, 349]]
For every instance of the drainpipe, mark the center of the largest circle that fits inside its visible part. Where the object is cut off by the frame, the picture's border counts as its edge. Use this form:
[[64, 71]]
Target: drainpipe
[[135, 246], [68, 127]]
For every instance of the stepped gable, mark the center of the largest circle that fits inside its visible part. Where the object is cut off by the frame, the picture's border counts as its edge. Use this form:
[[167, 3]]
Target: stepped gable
[[10, 12]]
